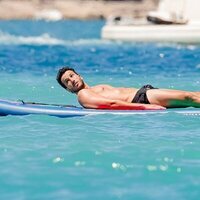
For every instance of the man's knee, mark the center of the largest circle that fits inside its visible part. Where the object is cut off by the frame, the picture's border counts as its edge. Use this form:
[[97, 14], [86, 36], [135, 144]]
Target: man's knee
[[189, 96]]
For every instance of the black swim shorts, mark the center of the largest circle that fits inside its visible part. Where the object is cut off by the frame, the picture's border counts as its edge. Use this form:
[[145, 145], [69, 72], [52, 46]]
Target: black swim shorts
[[141, 96]]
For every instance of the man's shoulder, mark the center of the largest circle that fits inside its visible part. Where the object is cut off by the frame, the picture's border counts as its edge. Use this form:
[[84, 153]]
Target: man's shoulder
[[84, 92], [85, 96]]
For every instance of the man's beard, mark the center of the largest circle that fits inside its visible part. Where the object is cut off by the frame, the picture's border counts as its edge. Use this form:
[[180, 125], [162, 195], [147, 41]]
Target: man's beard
[[79, 88]]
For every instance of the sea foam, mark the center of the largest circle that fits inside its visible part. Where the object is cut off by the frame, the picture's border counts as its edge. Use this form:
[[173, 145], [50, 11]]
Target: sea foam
[[45, 39]]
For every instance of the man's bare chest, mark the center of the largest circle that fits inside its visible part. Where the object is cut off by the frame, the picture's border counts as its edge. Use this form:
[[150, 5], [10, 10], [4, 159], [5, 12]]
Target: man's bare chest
[[108, 91]]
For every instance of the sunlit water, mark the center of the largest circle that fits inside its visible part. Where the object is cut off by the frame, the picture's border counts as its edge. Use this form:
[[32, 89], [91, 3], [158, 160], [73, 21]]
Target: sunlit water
[[94, 157]]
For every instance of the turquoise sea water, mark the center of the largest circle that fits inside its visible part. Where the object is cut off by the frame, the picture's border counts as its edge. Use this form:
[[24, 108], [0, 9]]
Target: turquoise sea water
[[94, 157]]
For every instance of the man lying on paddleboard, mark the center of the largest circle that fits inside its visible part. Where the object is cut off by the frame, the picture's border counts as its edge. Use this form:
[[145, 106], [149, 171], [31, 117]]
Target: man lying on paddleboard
[[108, 97]]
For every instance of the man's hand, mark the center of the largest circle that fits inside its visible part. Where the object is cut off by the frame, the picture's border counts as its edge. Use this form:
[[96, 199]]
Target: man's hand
[[153, 107]]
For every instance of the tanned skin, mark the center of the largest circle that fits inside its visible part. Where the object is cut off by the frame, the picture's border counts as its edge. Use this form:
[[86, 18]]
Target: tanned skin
[[108, 97]]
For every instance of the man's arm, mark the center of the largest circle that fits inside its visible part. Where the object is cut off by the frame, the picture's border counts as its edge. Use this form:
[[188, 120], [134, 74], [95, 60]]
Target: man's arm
[[90, 99]]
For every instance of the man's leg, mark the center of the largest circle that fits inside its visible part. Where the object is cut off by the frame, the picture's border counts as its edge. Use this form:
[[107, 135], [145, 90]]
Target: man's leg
[[173, 98]]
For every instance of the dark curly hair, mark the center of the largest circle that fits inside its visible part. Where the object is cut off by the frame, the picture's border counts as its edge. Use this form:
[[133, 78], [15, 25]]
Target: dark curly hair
[[61, 71]]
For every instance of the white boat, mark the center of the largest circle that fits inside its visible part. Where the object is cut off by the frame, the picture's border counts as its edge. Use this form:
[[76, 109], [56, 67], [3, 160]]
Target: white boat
[[49, 15], [174, 21]]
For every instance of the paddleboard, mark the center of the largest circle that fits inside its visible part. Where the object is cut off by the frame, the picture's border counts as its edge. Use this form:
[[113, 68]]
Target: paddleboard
[[25, 108]]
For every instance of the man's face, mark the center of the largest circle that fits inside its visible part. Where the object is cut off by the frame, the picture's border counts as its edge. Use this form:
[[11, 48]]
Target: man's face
[[72, 81]]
